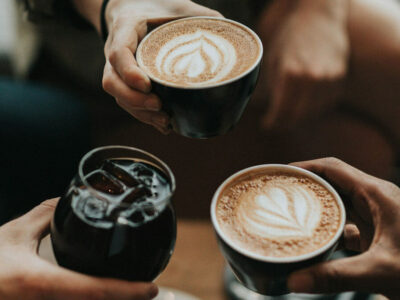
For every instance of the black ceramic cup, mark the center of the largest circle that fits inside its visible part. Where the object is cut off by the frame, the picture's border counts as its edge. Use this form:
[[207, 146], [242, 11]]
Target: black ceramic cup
[[211, 110], [268, 275]]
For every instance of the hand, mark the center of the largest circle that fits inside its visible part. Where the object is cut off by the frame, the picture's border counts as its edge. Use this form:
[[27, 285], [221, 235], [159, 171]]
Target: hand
[[374, 207], [24, 275], [305, 62], [128, 21]]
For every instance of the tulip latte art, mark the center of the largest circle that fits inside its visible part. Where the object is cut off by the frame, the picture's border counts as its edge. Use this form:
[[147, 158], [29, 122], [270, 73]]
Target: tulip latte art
[[198, 52], [278, 214]]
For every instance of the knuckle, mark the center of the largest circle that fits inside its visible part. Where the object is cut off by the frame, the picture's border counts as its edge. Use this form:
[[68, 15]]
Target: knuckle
[[372, 188], [332, 161], [107, 83], [120, 22], [293, 71], [113, 55], [316, 74]]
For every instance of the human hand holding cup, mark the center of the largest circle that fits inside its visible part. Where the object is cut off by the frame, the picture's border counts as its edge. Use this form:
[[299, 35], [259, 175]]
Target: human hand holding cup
[[204, 70], [272, 220]]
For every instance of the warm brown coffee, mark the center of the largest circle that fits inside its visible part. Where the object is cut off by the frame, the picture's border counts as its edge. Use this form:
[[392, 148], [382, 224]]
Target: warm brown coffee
[[199, 52], [277, 213]]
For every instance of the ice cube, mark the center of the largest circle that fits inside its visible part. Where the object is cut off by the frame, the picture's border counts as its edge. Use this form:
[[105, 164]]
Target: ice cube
[[118, 172], [142, 171], [101, 182], [137, 194], [137, 217], [95, 209], [149, 210]]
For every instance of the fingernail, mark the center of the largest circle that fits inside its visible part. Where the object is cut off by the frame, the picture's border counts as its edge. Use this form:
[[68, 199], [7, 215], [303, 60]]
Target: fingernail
[[153, 104], [153, 291], [301, 282]]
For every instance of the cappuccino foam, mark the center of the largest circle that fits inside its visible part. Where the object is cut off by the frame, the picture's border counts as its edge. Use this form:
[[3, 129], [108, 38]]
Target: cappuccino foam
[[198, 52], [278, 214]]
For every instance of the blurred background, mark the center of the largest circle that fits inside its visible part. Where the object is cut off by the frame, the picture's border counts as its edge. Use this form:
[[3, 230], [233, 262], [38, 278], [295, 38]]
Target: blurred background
[[53, 110]]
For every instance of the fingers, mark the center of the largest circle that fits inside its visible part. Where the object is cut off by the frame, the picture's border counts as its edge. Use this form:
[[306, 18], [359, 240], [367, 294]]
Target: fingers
[[347, 178], [116, 87], [68, 285], [159, 120], [120, 49], [144, 107], [351, 238], [123, 62], [348, 274], [195, 9], [29, 229]]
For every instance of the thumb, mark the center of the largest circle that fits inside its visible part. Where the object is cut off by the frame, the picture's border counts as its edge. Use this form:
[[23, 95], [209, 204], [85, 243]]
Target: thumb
[[191, 11], [348, 274], [30, 228], [199, 10]]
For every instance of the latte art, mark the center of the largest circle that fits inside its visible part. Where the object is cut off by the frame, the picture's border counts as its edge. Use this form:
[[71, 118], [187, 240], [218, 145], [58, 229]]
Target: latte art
[[199, 57], [278, 214], [282, 211], [197, 52]]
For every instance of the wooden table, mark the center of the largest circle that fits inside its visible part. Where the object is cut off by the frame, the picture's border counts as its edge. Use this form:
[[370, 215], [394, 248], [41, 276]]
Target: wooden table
[[196, 266]]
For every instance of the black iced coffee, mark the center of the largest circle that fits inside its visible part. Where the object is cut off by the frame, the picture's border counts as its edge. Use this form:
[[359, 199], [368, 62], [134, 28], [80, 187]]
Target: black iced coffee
[[116, 219]]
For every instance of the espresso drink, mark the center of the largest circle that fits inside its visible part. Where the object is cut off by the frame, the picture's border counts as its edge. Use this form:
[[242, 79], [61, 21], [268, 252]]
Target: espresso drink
[[277, 213], [124, 229], [198, 52]]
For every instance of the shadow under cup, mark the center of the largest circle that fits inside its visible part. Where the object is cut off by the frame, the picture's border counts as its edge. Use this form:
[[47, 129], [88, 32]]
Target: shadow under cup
[[211, 110], [268, 275]]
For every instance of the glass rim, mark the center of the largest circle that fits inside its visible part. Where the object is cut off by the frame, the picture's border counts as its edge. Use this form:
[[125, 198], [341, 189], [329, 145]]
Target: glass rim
[[99, 195]]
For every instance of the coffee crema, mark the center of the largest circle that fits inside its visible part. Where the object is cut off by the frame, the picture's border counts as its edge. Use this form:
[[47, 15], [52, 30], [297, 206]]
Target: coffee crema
[[198, 52], [278, 214]]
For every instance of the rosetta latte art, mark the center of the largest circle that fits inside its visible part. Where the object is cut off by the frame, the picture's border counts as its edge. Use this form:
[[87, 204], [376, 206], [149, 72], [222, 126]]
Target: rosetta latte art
[[279, 212], [199, 58]]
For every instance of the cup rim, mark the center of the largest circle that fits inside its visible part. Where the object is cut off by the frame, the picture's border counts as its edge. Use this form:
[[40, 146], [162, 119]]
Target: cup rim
[[218, 84], [98, 194], [272, 259]]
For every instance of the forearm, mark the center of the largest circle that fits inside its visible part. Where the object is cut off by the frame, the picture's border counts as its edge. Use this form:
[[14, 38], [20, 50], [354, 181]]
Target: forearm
[[90, 10]]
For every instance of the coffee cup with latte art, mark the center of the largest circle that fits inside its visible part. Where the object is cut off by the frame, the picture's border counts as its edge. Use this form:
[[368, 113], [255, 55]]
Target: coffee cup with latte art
[[204, 70], [271, 220]]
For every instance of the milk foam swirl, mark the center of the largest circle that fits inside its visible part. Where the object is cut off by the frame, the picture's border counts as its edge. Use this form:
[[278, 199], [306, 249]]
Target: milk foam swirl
[[279, 212], [200, 58]]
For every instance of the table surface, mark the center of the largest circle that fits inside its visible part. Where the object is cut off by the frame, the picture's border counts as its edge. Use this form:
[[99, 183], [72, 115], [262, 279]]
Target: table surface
[[196, 266]]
